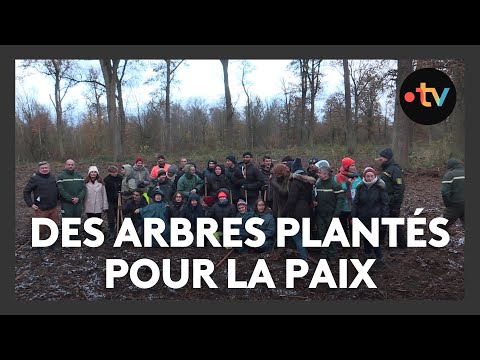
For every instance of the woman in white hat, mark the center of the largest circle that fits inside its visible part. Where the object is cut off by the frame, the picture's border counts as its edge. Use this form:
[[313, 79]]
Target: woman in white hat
[[95, 201]]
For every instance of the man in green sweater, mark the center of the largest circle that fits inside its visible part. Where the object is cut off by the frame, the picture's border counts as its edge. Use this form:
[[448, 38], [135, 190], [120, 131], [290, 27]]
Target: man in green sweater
[[71, 186]]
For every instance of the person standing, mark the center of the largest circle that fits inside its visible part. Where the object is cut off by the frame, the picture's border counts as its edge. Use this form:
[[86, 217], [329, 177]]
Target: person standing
[[453, 185], [161, 164], [266, 169], [113, 186], [71, 187], [43, 185], [96, 200], [392, 176], [371, 201]]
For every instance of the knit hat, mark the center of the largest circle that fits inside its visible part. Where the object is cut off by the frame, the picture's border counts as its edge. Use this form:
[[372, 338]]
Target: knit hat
[[209, 200], [222, 194], [369, 169], [231, 158], [138, 159], [247, 153], [241, 202], [346, 162], [92, 168], [386, 153], [313, 160], [161, 172], [172, 169], [322, 163]]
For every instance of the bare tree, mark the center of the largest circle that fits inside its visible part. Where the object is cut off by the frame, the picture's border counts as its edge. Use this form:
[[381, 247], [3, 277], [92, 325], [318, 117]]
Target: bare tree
[[314, 83], [401, 127], [60, 71], [109, 70], [246, 69], [351, 141], [228, 100]]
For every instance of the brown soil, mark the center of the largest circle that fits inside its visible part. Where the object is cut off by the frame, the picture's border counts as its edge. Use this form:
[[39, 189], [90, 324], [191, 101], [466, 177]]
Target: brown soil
[[79, 273]]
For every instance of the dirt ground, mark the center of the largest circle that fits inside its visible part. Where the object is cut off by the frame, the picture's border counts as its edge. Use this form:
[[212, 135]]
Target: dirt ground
[[79, 273]]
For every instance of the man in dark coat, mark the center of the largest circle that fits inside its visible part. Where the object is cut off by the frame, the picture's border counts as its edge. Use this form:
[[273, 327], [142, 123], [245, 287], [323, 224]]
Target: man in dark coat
[[45, 195]]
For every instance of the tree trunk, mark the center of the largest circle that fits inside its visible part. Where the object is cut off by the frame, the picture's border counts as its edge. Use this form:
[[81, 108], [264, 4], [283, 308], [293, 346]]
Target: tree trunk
[[58, 111], [228, 100], [401, 126], [109, 70], [348, 109], [457, 145], [167, 106]]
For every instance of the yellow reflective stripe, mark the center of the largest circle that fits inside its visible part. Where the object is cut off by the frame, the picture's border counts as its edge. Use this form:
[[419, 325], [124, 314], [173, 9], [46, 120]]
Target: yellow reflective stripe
[[325, 189], [387, 174], [70, 180], [338, 191]]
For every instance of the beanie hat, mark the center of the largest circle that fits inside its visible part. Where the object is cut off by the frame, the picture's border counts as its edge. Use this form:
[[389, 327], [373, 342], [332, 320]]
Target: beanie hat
[[138, 159], [209, 200], [172, 169], [222, 194], [346, 162], [247, 153], [313, 160], [241, 202], [161, 172], [369, 169], [386, 153], [93, 168], [322, 163], [231, 158]]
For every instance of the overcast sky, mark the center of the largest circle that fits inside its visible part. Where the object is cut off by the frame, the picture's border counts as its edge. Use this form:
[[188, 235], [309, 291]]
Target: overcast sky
[[198, 78]]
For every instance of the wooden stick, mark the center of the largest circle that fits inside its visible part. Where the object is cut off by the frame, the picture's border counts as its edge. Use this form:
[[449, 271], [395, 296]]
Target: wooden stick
[[224, 258]]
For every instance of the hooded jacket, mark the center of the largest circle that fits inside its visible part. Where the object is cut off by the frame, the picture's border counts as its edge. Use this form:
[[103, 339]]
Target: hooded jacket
[[453, 184], [45, 192]]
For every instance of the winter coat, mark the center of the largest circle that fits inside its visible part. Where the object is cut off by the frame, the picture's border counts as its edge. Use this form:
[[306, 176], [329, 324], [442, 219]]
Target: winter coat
[[453, 184], [154, 172], [188, 182], [299, 196], [350, 188], [370, 202], [129, 208], [279, 195], [166, 187], [219, 211], [249, 178], [392, 176], [216, 182], [95, 200], [330, 198], [70, 184], [113, 185], [268, 227], [192, 213], [129, 184], [141, 176], [45, 192]]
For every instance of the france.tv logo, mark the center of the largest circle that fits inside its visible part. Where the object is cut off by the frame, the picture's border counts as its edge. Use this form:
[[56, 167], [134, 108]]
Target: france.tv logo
[[428, 96]]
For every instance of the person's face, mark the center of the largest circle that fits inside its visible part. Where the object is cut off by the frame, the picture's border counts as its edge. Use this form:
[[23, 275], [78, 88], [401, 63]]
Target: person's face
[[194, 202], [139, 163], [70, 165], [218, 170], [162, 177], [382, 159], [211, 165], [323, 175], [178, 198], [158, 197], [113, 173], [192, 170], [312, 166], [122, 171], [221, 198], [93, 175], [369, 176], [44, 169], [261, 206], [229, 163], [352, 168], [161, 161], [246, 159], [183, 162], [267, 163], [242, 209], [136, 196]]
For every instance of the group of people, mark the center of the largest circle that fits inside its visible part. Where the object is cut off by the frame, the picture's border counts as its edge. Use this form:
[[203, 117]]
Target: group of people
[[239, 189]]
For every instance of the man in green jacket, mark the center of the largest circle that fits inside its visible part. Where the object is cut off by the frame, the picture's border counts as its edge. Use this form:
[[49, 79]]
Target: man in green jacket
[[453, 184], [71, 186]]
